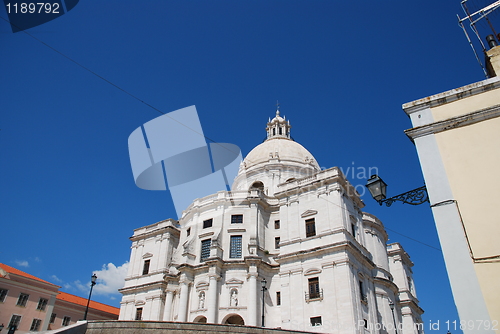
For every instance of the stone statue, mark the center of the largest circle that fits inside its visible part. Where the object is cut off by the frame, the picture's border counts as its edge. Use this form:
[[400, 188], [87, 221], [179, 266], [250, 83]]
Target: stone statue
[[234, 298], [201, 303]]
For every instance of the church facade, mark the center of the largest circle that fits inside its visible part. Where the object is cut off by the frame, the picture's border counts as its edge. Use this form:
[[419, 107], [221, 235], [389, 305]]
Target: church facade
[[288, 247]]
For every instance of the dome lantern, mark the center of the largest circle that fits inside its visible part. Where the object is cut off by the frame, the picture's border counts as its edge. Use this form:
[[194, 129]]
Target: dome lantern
[[278, 127]]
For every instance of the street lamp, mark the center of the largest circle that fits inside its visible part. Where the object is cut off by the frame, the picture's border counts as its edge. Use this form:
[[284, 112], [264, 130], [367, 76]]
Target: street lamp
[[263, 283], [378, 190], [391, 305], [92, 283]]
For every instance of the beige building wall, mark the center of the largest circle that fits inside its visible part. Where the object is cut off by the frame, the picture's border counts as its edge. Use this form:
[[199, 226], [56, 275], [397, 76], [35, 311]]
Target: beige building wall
[[457, 136], [471, 158]]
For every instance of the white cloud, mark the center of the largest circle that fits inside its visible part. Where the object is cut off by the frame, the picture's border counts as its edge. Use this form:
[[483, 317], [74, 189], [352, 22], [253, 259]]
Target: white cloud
[[110, 278], [22, 263], [56, 279], [81, 287]]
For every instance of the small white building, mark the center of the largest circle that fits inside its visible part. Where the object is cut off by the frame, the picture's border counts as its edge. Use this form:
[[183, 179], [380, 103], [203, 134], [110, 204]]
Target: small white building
[[326, 265]]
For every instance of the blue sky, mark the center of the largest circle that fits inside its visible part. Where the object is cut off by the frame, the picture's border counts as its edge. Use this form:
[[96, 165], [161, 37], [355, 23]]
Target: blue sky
[[340, 70]]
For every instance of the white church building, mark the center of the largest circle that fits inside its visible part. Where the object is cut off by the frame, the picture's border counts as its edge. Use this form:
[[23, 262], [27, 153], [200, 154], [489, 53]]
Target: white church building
[[289, 226]]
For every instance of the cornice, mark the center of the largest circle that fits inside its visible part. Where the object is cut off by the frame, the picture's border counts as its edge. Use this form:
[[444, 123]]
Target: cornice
[[452, 95], [454, 122]]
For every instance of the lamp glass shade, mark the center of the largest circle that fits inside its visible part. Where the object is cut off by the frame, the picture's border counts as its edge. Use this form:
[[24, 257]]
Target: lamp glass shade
[[263, 283], [94, 278], [377, 187]]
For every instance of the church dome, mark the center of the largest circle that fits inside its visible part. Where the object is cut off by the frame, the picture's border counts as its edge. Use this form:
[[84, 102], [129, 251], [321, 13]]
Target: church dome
[[278, 159], [281, 149]]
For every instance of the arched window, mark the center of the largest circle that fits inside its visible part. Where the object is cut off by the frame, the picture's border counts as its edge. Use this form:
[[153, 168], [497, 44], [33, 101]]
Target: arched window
[[257, 185]]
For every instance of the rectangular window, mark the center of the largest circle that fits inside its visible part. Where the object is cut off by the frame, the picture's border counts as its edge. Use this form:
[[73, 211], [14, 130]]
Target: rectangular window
[[316, 321], [23, 299], [235, 248], [3, 294], [310, 228], [35, 325], [314, 288], [353, 229], [52, 318], [205, 248], [276, 224], [236, 219], [277, 242], [138, 313], [145, 268], [66, 321], [188, 232], [278, 298], [42, 303], [15, 321], [207, 223]]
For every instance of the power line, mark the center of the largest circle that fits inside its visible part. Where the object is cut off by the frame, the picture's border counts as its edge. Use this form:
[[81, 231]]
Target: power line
[[163, 113]]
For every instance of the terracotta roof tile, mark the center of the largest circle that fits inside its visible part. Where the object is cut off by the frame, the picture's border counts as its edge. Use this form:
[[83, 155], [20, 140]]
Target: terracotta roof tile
[[83, 301], [15, 271]]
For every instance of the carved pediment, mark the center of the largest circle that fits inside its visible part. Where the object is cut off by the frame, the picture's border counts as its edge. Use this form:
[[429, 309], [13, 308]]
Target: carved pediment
[[145, 256], [201, 285], [312, 271], [308, 213], [139, 302], [234, 281]]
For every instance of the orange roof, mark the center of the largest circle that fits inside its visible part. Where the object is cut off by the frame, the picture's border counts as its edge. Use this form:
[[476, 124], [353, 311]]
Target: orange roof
[[83, 301], [15, 271]]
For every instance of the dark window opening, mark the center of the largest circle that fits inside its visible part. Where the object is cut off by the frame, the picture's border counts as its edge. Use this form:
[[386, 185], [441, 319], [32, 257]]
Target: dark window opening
[[207, 223], [3, 294], [276, 224], [52, 318], [205, 248], [314, 288], [257, 185], [236, 219], [235, 247], [188, 232], [277, 242], [310, 228], [35, 325], [23, 299], [145, 268], [138, 313], [42, 303], [14, 321], [316, 321], [278, 298], [66, 321]]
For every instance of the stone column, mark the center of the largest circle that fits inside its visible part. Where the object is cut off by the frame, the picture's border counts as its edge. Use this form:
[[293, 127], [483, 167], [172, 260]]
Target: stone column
[[212, 300], [169, 298], [184, 299], [252, 299]]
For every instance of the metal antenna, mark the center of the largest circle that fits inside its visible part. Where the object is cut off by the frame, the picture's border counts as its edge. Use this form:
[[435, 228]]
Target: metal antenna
[[473, 19]]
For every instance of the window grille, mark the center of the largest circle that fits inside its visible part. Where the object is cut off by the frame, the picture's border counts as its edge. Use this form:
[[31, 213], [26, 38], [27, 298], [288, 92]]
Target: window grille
[[235, 247], [205, 248]]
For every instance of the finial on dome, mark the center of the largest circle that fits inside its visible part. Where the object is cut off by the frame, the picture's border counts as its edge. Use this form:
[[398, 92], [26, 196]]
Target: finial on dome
[[277, 108]]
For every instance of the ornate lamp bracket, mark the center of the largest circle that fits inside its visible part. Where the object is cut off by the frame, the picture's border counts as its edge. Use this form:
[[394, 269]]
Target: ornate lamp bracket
[[413, 197]]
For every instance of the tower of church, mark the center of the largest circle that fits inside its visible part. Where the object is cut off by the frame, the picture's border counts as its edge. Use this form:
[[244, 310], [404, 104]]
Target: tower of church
[[289, 225]]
